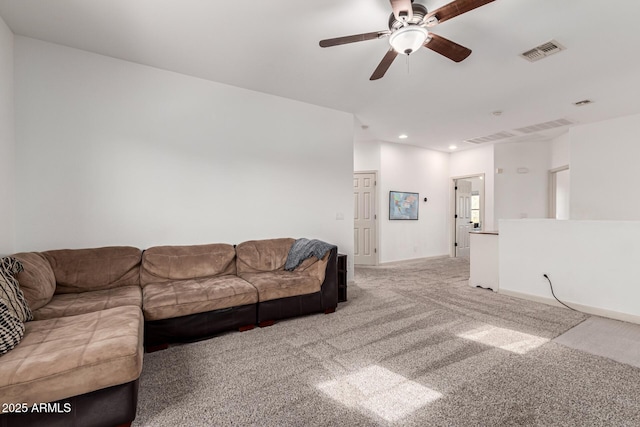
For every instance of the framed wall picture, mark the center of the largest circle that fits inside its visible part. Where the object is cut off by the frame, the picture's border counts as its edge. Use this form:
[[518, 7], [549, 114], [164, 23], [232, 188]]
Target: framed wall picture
[[403, 205]]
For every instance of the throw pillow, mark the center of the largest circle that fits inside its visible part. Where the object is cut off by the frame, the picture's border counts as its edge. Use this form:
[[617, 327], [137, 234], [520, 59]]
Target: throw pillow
[[11, 329], [10, 293]]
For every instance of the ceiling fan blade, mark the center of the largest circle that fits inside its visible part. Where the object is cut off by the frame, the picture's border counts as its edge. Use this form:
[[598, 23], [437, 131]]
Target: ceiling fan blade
[[446, 47], [352, 39], [402, 9], [455, 8], [384, 65]]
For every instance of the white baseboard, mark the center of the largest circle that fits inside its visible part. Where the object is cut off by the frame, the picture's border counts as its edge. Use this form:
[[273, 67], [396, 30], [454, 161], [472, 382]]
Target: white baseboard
[[625, 317], [406, 261]]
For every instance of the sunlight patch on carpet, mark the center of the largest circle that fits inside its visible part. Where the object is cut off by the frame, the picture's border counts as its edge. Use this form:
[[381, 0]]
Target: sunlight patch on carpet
[[380, 391], [506, 339]]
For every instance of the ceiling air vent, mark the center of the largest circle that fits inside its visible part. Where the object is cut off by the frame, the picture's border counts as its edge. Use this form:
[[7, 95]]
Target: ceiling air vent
[[545, 126], [490, 138], [542, 51]]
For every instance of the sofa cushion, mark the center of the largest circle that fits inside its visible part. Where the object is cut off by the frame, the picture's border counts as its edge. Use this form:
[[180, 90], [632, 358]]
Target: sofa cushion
[[69, 356], [315, 267], [11, 329], [37, 281], [10, 293], [256, 256], [168, 263], [184, 297], [81, 270], [86, 302], [282, 284]]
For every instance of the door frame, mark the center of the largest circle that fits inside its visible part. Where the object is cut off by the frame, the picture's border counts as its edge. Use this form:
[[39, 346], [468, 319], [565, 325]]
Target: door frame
[[452, 207], [376, 254], [553, 174]]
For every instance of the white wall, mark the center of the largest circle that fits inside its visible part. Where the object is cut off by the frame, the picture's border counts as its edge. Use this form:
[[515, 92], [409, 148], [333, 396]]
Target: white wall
[[522, 195], [408, 168], [413, 169], [472, 162], [560, 151], [592, 264], [604, 164], [7, 143], [366, 156], [115, 153]]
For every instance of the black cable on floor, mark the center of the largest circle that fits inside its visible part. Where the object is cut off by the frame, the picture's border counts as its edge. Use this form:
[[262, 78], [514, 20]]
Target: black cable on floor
[[554, 295]]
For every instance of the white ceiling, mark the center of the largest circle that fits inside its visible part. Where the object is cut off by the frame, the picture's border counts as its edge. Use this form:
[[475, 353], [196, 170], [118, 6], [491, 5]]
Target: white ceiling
[[272, 46]]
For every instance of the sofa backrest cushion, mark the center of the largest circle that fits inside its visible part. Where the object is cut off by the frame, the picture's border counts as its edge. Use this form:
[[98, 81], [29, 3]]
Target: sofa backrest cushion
[[82, 270], [256, 256], [315, 267], [165, 263], [37, 281]]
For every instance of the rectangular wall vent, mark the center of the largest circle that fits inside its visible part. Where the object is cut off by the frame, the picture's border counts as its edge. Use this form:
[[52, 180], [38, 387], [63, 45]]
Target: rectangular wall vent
[[490, 138], [542, 51], [545, 126]]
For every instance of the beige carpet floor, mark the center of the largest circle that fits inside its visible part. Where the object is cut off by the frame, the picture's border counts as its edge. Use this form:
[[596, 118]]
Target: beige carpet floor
[[413, 346], [609, 338]]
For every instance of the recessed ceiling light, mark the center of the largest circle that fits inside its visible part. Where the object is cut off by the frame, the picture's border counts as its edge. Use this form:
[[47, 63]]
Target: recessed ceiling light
[[403, 136], [453, 147]]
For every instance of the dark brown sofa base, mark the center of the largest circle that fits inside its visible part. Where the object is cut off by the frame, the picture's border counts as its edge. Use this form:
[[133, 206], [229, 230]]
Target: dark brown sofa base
[[198, 326], [109, 407], [289, 307]]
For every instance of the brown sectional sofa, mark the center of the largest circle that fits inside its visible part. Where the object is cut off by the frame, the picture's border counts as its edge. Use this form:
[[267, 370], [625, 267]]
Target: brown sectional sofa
[[95, 309]]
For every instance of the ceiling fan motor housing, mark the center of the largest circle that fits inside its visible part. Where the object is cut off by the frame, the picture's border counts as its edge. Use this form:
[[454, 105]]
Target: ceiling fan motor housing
[[408, 36], [419, 12]]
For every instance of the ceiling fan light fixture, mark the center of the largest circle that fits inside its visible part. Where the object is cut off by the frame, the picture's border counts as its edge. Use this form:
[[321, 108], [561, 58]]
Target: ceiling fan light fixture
[[408, 39]]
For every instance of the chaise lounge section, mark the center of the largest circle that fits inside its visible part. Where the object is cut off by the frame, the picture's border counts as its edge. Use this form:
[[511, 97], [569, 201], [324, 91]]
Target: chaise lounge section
[[80, 359]]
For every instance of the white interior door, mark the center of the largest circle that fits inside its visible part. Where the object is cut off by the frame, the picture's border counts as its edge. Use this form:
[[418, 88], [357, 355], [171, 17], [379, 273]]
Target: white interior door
[[463, 217], [364, 209]]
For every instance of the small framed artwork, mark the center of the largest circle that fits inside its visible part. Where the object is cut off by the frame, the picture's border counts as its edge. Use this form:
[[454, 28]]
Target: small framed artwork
[[403, 205]]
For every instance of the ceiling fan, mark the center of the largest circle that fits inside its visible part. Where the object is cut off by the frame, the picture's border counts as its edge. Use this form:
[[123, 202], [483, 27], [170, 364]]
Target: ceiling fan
[[408, 32]]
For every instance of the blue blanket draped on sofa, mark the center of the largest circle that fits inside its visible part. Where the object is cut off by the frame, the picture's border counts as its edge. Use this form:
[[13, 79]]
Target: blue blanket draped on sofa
[[305, 248]]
